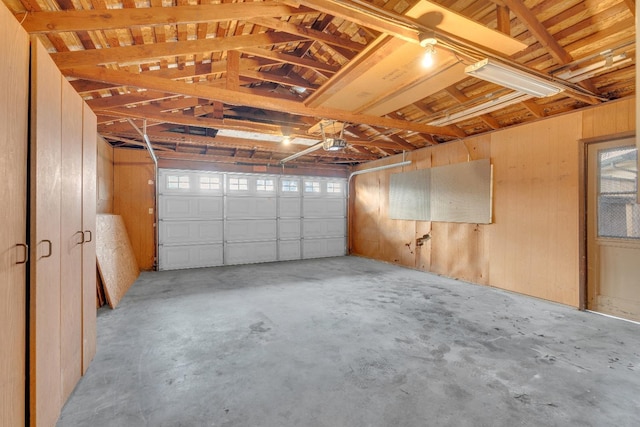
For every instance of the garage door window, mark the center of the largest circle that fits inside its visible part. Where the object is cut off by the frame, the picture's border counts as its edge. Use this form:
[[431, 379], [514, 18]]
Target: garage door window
[[334, 187], [264, 185], [289, 186], [209, 183], [238, 184], [175, 182], [311, 187]]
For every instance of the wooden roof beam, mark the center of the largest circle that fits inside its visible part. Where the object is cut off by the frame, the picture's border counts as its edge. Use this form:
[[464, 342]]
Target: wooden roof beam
[[140, 53], [291, 59], [360, 17], [287, 27], [462, 98], [106, 19], [128, 99], [503, 19], [538, 31], [279, 78], [243, 98]]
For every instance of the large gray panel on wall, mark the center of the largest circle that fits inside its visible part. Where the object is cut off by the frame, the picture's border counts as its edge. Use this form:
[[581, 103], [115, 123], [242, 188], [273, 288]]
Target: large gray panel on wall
[[409, 195], [462, 192], [454, 193]]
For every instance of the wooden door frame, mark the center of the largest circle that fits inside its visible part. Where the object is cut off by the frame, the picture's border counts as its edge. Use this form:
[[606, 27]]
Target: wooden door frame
[[582, 203]]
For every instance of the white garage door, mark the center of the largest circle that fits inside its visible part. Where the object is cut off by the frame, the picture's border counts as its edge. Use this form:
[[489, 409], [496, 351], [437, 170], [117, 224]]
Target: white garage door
[[209, 219]]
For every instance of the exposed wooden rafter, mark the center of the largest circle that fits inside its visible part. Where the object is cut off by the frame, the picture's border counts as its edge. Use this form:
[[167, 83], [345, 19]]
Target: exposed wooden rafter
[[241, 98]]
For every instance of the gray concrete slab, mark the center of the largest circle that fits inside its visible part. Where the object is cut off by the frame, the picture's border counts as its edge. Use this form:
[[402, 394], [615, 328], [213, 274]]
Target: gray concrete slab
[[351, 342]]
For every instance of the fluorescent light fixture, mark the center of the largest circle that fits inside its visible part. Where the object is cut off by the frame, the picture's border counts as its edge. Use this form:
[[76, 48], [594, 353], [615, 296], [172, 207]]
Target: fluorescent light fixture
[[311, 149], [592, 70], [484, 108], [513, 78]]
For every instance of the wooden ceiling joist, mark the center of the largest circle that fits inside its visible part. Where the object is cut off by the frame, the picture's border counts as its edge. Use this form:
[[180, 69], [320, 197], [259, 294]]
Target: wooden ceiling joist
[[358, 16], [538, 30], [241, 98], [105, 19], [286, 27], [134, 54], [242, 65], [290, 59]]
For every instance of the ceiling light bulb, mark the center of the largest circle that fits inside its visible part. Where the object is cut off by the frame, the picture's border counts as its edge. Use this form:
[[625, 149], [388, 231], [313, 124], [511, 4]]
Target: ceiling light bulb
[[286, 140], [427, 59]]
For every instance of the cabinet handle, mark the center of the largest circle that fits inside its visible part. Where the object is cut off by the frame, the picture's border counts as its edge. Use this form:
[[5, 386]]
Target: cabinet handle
[[90, 236], [81, 237], [50, 249], [25, 253]]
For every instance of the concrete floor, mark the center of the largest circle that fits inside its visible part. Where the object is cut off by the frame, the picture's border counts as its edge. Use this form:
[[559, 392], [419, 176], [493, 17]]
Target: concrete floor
[[351, 342]]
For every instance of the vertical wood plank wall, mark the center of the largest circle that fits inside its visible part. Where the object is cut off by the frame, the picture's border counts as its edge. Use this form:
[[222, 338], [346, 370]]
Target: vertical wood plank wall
[[533, 245], [105, 177], [134, 196]]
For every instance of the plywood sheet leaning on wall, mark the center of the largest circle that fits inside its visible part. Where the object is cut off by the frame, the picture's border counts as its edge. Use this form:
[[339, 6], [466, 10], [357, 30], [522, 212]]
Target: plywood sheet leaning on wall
[[116, 260]]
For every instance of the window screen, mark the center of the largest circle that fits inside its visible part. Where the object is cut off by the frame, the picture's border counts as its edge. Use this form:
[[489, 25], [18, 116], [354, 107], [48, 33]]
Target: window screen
[[618, 212]]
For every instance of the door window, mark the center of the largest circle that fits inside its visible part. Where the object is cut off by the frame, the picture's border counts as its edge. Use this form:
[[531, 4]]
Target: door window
[[618, 212]]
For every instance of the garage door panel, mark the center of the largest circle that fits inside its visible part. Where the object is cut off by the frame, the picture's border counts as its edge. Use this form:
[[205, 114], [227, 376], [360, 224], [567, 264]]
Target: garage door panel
[[289, 228], [250, 230], [323, 207], [194, 207], [250, 252], [190, 231], [251, 207], [191, 256], [319, 248], [289, 250], [330, 227], [289, 207]]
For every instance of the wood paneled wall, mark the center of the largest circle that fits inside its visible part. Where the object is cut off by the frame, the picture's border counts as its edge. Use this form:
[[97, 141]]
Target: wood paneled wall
[[134, 200], [533, 246], [105, 177]]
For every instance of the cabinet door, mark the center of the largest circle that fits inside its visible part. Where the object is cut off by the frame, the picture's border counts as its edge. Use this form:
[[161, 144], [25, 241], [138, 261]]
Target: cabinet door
[[89, 202], [44, 303], [14, 109], [71, 239]]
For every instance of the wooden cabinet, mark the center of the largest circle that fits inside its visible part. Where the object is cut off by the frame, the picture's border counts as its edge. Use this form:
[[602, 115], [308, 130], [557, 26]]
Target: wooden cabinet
[[44, 320], [89, 205], [14, 102], [71, 239], [56, 250], [62, 322]]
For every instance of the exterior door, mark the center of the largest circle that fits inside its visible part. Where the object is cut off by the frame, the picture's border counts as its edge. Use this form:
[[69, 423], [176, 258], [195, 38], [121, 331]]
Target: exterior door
[[14, 104], [613, 229]]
